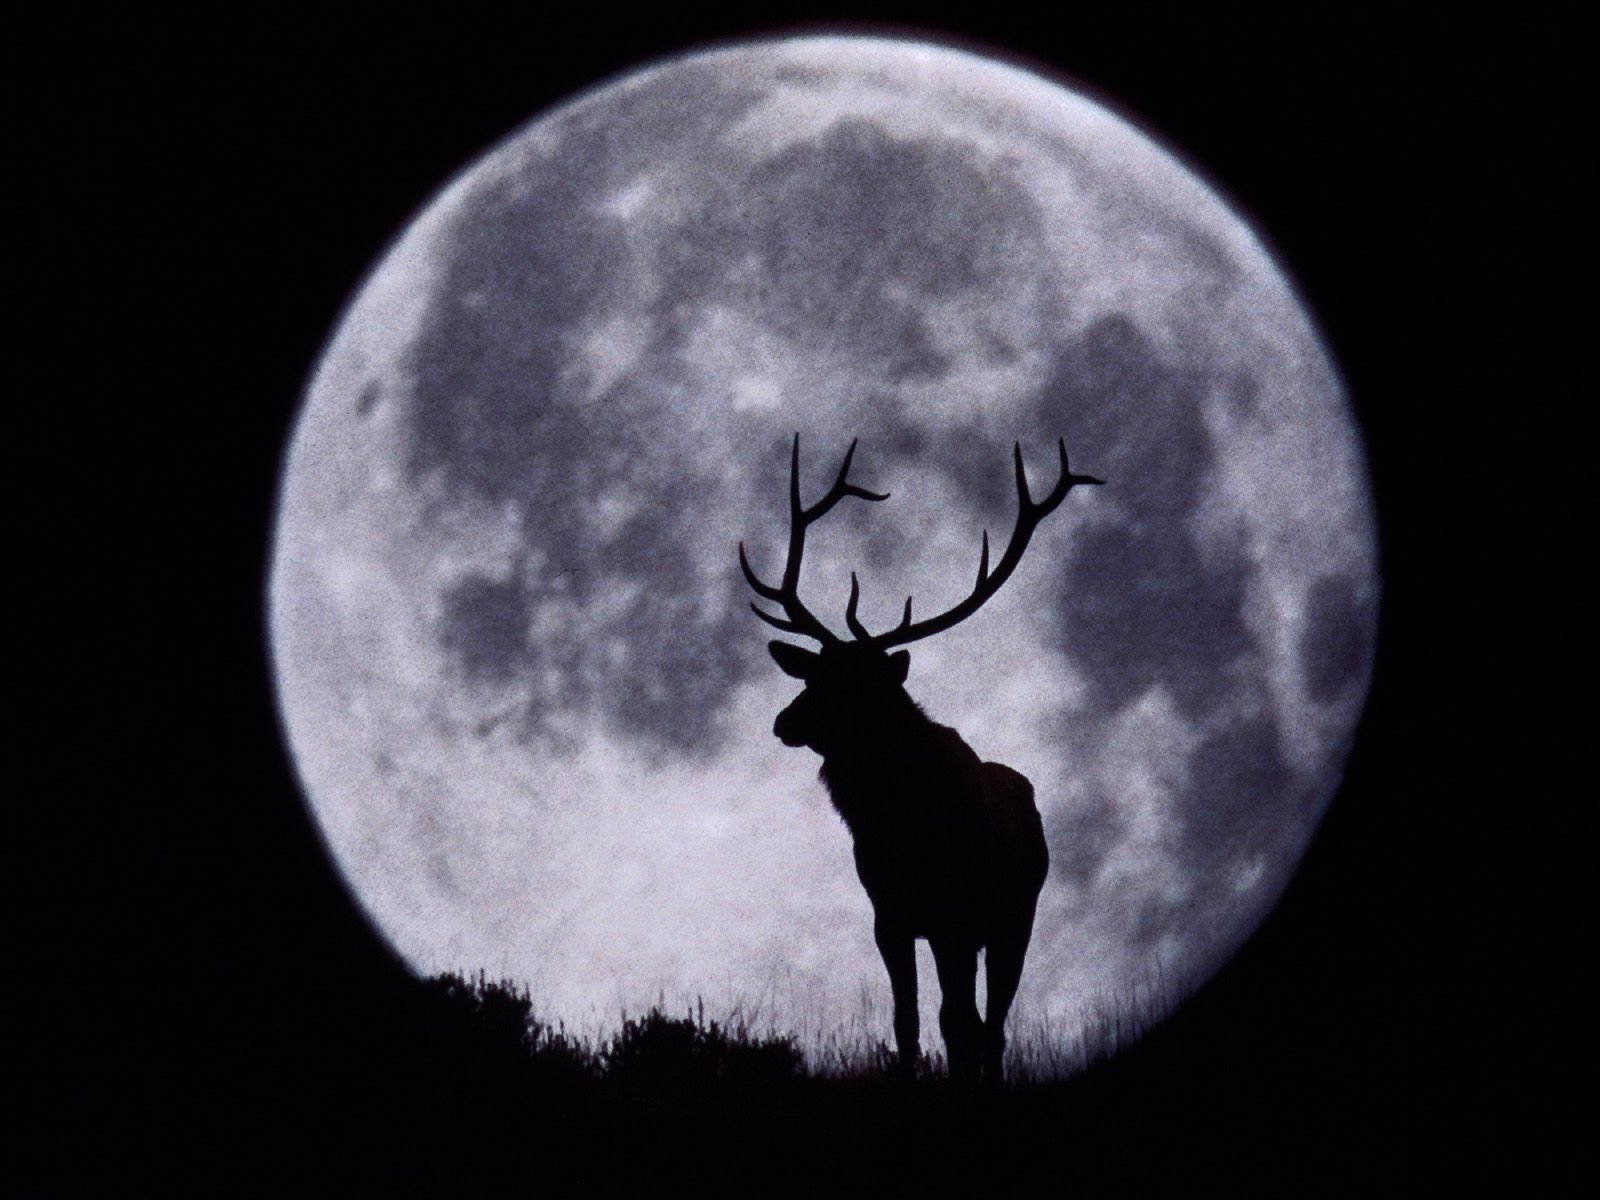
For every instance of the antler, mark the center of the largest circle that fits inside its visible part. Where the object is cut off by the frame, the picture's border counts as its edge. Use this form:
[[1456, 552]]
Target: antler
[[800, 620], [1029, 515]]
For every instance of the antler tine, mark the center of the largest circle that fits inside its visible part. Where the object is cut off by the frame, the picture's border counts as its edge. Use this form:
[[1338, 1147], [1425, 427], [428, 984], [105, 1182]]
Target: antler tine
[[841, 488], [850, 619], [1029, 514], [1023, 499], [856, 627], [800, 619], [780, 623], [1064, 484], [766, 591]]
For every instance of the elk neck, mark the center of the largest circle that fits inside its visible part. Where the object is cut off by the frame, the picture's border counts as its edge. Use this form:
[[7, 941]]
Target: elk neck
[[895, 767]]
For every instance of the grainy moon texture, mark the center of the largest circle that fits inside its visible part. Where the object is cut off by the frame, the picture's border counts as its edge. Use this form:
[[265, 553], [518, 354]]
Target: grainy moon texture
[[526, 696]]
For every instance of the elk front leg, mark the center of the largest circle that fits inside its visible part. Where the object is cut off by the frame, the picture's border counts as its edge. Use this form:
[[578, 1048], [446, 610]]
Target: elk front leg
[[899, 952]]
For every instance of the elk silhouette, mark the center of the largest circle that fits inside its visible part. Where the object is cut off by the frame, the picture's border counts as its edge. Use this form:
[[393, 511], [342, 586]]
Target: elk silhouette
[[949, 848]]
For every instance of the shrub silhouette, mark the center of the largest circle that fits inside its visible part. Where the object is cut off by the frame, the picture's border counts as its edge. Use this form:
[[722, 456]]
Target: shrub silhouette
[[503, 1014], [657, 1057], [654, 1058]]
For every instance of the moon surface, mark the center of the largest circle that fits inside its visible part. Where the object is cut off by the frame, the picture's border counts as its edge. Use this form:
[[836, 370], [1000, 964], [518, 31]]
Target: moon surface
[[528, 702]]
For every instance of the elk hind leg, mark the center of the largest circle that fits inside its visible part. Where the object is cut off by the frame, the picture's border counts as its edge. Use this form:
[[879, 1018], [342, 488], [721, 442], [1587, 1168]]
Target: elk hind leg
[[899, 951], [1002, 973], [958, 1008]]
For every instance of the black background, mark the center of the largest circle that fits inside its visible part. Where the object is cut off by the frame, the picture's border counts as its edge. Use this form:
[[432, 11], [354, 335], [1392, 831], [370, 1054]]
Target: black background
[[208, 1001]]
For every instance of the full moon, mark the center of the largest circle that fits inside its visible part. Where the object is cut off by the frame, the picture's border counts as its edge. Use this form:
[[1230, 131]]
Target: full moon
[[528, 702]]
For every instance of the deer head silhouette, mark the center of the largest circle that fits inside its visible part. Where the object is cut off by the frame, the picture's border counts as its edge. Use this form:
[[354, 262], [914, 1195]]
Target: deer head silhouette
[[948, 847]]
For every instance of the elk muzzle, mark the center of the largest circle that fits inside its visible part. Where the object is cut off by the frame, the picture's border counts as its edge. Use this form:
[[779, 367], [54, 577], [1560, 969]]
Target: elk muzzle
[[791, 726]]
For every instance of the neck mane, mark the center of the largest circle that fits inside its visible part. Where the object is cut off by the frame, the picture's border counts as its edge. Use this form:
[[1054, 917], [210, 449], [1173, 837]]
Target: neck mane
[[899, 764]]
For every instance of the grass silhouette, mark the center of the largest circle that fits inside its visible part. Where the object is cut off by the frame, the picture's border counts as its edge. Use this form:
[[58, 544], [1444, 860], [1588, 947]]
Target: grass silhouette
[[456, 1085], [690, 1093], [1229, 1093], [658, 1061]]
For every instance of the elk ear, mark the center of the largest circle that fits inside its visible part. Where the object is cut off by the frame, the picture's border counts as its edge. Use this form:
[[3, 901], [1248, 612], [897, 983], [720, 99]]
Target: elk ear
[[900, 665], [793, 660]]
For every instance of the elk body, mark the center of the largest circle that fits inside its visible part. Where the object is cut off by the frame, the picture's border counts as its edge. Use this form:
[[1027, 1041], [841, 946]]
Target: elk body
[[949, 848]]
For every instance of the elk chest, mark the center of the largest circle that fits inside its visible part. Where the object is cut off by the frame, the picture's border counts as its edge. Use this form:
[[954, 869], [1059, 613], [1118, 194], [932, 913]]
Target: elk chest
[[916, 821]]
